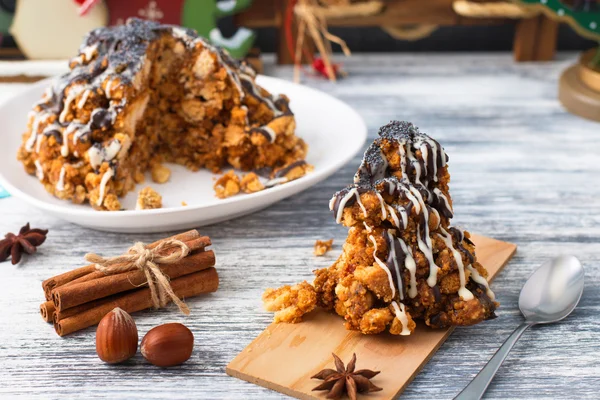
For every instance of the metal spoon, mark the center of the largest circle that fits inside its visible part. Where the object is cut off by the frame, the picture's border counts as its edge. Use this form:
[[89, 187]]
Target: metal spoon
[[549, 295]]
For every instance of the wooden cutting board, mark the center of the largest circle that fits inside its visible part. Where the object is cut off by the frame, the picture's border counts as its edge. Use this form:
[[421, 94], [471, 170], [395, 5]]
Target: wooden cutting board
[[284, 356]]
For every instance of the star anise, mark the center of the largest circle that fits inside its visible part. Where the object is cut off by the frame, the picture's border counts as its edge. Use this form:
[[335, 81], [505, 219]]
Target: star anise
[[346, 380], [26, 241]]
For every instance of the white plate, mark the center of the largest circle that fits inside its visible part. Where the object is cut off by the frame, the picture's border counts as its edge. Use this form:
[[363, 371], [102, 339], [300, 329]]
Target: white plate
[[334, 133]]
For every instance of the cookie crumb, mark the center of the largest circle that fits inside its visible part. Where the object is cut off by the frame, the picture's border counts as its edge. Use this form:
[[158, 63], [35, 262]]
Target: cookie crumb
[[251, 183], [322, 247], [293, 171], [183, 203], [160, 173], [148, 199], [227, 185]]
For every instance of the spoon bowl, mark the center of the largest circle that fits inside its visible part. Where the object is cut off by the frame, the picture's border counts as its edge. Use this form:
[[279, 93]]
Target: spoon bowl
[[549, 295], [552, 291]]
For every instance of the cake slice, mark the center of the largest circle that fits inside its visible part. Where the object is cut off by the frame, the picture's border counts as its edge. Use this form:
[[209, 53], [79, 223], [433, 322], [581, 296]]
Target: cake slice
[[402, 260], [141, 94]]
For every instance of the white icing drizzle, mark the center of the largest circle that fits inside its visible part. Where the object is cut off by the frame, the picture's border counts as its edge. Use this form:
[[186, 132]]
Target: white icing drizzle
[[73, 93], [440, 194], [404, 216], [383, 210], [411, 266], [435, 150], [400, 311], [437, 215], [109, 88], [276, 181], [60, 185], [39, 170], [424, 154], [426, 246], [367, 227], [111, 151], [105, 178], [38, 143], [84, 98], [95, 156], [402, 152], [463, 291], [394, 258], [415, 163], [270, 131], [88, 51], [345, 199], [413, 199], [64, 149], [37, 119], [383, 266], [394, 216], [98, 155], [478, 278]]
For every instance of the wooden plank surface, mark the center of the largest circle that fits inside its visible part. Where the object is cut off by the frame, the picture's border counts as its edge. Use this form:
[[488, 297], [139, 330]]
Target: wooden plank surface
[[523, 169], [310, 344]]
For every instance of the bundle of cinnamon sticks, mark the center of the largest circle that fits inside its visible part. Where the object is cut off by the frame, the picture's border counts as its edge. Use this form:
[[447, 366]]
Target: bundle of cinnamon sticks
[[80, 298]]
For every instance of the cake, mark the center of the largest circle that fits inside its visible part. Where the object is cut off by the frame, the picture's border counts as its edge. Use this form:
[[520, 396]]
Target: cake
[[141, 94], [402, 260]]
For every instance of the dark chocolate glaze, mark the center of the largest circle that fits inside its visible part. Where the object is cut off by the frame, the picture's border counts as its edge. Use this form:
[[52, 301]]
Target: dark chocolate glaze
[[397, 256], [102, 119], [284, 171], [56, 133], [264, 172], [459, 237]]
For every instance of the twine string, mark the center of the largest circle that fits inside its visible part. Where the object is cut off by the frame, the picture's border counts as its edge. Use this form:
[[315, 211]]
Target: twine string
[[147, 260]]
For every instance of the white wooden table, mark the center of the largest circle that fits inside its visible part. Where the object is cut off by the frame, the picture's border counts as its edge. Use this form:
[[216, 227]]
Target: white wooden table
[[523, 170]]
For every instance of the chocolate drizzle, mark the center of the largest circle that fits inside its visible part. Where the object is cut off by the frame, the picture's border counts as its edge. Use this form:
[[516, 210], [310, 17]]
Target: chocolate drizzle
[[284, 171]]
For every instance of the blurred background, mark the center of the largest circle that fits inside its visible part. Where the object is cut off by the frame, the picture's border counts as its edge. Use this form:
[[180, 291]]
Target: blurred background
[[453, 31], [311, 32]]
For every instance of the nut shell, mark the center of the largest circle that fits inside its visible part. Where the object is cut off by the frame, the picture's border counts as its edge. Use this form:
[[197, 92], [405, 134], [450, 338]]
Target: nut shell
[[116, 337], [168, 345]]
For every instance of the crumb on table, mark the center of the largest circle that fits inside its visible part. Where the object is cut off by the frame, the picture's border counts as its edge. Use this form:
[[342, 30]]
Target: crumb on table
[[322, 247], [251, 183], [290, 303], [183, 203], [227, 185], [148, 199], [160, 173]]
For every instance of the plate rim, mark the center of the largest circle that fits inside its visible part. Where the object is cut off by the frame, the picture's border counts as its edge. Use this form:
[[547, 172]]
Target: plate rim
[[315, 176]]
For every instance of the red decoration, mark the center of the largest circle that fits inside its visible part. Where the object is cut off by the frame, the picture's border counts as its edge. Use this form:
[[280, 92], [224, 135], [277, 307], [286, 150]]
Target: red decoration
[[319, 66], [163, 11], [85, 6]]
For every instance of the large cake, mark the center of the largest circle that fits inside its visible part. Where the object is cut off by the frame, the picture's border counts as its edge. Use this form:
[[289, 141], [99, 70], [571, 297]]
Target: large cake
[[401, 260], [141, 94]]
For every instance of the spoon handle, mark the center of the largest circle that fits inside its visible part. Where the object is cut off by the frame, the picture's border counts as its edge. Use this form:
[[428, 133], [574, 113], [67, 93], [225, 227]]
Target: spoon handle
[[479, 384]]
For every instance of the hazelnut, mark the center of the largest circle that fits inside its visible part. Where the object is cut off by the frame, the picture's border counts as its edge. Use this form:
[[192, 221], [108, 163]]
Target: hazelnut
[[168, 345], [116, 337]]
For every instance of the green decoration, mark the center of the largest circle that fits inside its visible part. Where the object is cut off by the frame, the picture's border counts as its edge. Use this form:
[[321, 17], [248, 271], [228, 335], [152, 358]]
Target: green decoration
[[5, 21], [582, 15], [202, 15]]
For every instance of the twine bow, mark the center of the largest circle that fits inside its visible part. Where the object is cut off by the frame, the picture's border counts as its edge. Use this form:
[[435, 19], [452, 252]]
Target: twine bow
[[146, 260]]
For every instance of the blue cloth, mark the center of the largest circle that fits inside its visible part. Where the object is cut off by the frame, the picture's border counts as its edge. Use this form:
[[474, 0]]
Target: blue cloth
[[3, 193]]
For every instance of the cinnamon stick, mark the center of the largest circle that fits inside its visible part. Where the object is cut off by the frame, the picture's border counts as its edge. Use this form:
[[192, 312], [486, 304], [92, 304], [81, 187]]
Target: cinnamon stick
[[48, 311], [81, 274], [194, 245], [69, 312], [186, 286], [62, 279], [75, 294]]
